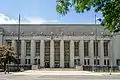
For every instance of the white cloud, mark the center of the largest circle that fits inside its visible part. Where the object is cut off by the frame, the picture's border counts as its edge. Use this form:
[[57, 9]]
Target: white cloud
[[7, 20], [40, 21]]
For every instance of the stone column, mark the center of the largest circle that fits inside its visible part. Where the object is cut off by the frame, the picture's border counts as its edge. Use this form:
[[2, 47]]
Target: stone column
[[91, 51], [102, 52], [52, 53], [62, 53], [71, 53], [14, 45], [42, 45], [81, 52], [1, 37], [32, 51], [23, 46]]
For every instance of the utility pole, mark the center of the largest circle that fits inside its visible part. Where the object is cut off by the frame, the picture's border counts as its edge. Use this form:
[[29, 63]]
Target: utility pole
[[18, 43]]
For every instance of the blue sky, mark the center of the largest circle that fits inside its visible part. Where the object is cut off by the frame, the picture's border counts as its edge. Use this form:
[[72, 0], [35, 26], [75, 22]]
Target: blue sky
[[43, 10]]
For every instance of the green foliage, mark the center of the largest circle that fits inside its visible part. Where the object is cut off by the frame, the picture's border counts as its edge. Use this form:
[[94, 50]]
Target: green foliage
[[109, 8]]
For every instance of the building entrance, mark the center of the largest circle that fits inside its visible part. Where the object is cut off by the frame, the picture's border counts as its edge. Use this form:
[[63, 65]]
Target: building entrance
[[57, 65], [67, 65], [47, 64]]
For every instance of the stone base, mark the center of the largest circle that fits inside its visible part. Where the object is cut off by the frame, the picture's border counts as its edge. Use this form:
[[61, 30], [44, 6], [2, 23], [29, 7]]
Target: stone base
[[34, 67], [79, 68]]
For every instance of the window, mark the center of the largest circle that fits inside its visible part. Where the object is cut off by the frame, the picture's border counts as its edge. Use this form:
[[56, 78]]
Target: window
[[28, 48], [76, 61], [35, 61], [86, 61], [9, 42], [76, 48], [106, 61], [25, 61], [96, 62], [38, 61], [86, 49], [95, 48], [47, 50], [66, 50], [57, 50], [28, 61], [105, 48], [38, 48]]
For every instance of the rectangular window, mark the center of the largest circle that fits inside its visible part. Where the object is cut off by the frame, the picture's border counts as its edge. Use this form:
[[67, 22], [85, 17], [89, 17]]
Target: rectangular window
[[25, 61], [76, 48], [84, 61], [47, 50], [35, 61], [76, 61], [88, 62], [38, 48], [96, 62], [57, 50], [108, 62], [96, 48], [28, 61], [105, 48], [9, 42], [38, 61], [28, 48], [86, 49], [104, 61], [66, 51]]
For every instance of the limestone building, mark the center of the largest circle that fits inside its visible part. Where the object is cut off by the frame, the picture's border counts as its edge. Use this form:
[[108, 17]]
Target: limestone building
[[62, 45]]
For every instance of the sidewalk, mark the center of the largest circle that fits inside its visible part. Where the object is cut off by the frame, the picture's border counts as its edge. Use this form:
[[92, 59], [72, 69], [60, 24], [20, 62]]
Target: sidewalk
[[35, 72]]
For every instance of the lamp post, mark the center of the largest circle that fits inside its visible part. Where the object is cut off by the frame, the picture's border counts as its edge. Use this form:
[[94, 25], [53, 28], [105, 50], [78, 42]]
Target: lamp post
[[95, 45], [18, 43], [100, 20], [111, 57]]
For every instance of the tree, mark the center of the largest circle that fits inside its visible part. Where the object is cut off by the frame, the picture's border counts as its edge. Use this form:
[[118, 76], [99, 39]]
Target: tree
[[7, 55], [109, 8]]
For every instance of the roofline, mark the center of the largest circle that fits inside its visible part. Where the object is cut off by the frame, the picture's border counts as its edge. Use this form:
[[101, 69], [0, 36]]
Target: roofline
[[51, 24]]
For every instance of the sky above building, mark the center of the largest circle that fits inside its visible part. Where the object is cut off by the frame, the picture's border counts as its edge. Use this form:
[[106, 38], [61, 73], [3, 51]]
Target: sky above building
[[41, 11]]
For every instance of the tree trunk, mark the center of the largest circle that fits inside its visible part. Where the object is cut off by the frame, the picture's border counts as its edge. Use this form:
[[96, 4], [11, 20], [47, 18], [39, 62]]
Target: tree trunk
[[5, 67]]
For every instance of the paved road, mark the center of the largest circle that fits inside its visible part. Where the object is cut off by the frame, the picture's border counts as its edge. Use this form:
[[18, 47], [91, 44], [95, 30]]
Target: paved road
[[58, 77]]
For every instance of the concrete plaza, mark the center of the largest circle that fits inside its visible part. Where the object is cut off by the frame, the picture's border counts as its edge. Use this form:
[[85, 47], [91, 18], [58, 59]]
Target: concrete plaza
[[58, 75]]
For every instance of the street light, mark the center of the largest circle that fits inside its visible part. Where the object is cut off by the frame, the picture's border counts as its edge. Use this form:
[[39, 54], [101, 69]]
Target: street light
[[95, 44], [18, 43], [111, 58], [100, 20]]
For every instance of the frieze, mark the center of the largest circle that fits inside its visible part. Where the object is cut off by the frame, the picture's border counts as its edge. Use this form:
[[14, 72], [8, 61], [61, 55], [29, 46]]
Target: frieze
[[59, 35]]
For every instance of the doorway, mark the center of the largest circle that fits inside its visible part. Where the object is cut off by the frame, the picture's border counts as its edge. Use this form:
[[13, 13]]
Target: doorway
[[47, 64], [57, 65]]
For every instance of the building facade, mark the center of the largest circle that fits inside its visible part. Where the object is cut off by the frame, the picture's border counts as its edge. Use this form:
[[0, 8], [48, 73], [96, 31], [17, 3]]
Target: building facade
[[62, 45]]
